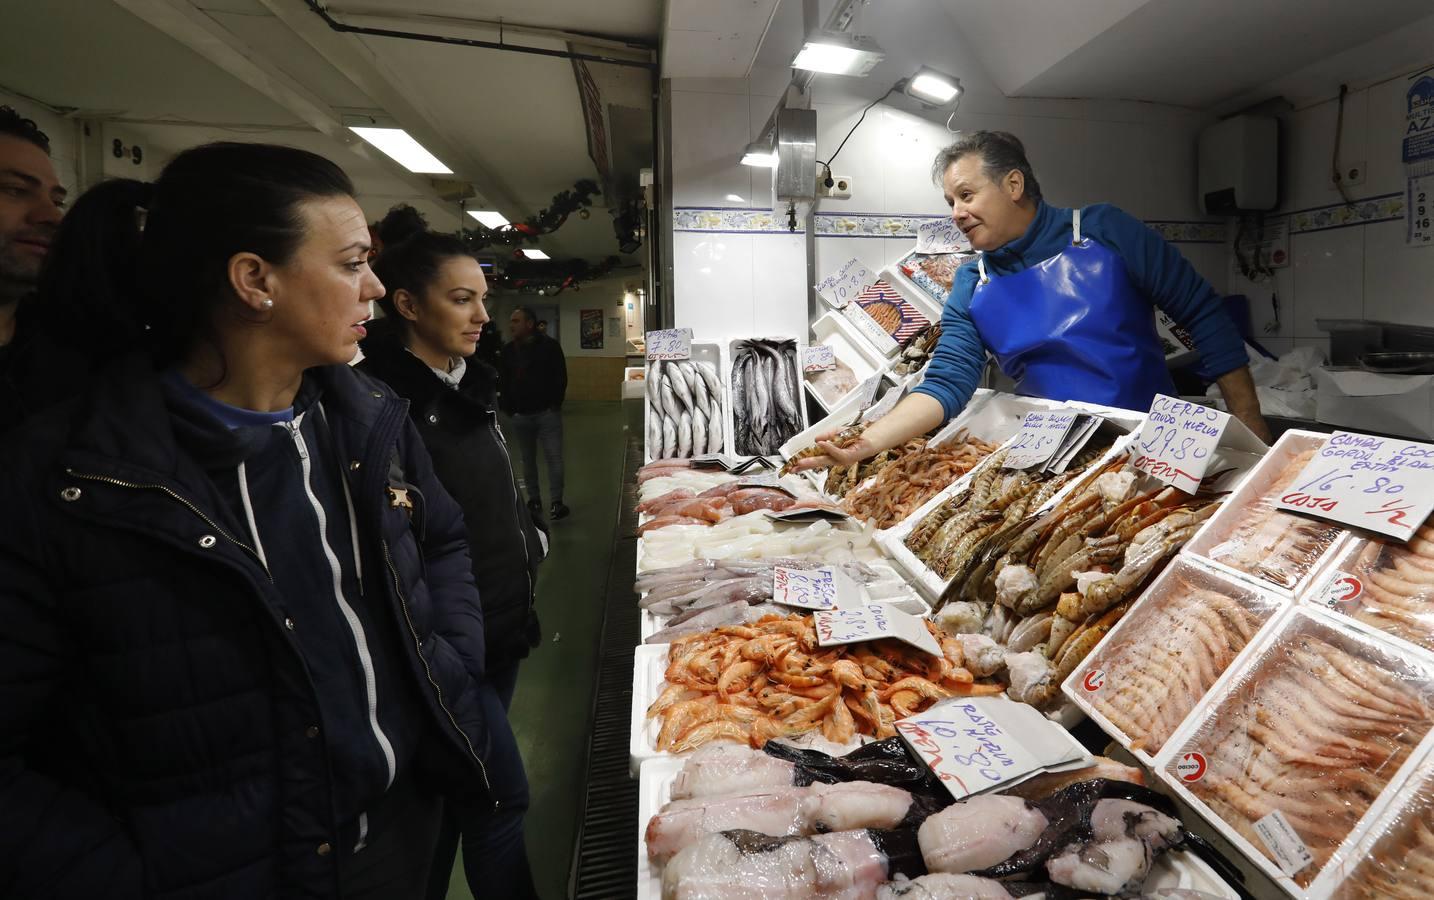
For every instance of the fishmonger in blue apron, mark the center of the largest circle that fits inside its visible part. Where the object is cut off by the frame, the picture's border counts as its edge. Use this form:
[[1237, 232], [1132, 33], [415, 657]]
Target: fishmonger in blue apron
[[1064, 299]]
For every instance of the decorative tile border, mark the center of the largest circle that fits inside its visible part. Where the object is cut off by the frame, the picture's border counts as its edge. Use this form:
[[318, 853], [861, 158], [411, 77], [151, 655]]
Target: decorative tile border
[[732, 220], [1384, 208]]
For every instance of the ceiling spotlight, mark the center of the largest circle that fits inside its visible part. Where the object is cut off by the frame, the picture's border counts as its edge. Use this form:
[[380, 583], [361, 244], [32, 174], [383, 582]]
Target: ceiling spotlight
[[488, 218], [838, 53], [759, 154], [933, 88], [535, 254]]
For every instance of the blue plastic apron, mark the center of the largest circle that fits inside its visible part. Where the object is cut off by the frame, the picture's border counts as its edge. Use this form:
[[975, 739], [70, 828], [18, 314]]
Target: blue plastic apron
[[1073, 328]]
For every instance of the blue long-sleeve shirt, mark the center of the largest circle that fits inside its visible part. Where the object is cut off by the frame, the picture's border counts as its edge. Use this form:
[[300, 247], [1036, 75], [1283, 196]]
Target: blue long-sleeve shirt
[[1156, 268]]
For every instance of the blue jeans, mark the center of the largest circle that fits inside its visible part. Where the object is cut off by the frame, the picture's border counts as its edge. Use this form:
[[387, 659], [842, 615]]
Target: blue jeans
[[531, 430], [495, 857]]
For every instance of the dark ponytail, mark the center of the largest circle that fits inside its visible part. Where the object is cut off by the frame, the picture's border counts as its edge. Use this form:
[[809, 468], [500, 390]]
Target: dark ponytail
[[412, 256], [85, 299], [166, 269]]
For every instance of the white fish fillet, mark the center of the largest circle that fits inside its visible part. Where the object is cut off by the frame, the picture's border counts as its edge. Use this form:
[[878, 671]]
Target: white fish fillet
[[979, 833]]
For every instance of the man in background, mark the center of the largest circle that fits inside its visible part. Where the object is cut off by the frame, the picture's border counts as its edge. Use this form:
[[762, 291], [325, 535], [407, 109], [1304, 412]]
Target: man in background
[[33, 371], [534, 378]]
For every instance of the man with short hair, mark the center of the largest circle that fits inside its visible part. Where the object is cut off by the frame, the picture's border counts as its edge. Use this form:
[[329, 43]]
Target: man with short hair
[[32, 200], [534, 379]]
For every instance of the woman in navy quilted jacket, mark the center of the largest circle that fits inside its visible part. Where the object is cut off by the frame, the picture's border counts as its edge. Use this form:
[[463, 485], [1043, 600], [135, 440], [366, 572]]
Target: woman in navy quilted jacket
[[242, 652]]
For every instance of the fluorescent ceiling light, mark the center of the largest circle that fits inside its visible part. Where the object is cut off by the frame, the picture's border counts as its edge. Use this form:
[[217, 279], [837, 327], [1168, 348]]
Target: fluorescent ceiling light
[[536, 254], [488, 218], [838, 53], [759, 154], [733, 198], [401, 146], [933, 88]]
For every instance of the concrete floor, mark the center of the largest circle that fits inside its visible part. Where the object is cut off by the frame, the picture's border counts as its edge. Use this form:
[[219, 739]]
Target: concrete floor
[[551, 708]]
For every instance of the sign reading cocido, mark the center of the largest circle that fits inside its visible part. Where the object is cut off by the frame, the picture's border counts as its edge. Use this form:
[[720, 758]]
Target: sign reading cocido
[[1382, 484]]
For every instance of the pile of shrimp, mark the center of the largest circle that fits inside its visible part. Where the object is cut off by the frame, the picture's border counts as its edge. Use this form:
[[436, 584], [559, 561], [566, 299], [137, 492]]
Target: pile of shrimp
[[752, 683], [921, 473]]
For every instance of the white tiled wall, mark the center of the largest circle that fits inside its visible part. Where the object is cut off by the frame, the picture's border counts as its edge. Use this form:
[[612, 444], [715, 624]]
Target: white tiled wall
[[1358, 271]]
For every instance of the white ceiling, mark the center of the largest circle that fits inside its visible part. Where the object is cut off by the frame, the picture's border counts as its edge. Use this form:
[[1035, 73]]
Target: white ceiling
[[181, 72]]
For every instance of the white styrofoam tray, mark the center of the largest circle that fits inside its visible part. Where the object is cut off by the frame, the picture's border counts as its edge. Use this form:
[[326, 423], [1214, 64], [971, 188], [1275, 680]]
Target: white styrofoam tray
[[893, 540], [912, 603], [730, 357], [1184, 567], [1179, 870], [702, 351], [1384, 813], [1248, 662], [833, 330], [1212, 541]]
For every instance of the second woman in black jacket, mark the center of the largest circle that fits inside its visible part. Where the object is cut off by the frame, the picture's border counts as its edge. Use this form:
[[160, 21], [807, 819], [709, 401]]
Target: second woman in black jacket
[[423, 349]]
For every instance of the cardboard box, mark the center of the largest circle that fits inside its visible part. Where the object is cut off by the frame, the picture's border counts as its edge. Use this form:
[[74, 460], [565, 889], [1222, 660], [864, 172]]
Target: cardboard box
[[1368, 401]]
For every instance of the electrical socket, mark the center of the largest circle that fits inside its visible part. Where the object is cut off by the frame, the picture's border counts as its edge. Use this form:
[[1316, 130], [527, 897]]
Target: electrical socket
[[1353, 173], [840, 188]]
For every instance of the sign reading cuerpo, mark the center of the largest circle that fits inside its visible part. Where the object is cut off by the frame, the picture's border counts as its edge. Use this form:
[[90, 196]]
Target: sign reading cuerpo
[[1178, 441], [1383, 484], [843, 285], [1039, 438], [670, 343]]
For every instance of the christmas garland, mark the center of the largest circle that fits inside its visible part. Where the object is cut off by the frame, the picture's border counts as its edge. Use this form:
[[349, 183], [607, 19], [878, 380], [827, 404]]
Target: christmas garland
[[547, 221]]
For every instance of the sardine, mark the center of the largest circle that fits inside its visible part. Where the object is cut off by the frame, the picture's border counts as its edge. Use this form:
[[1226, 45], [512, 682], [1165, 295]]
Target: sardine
[[680, 386], [684, 434], [669, 438], [699, 432]]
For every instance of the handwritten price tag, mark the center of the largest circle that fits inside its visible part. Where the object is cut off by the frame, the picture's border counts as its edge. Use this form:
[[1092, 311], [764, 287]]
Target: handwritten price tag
[[818, 358], [941, 236], [1382, 484], [870, 622], [978, 743], [842, 286], [670, 343], [1178, 441], [885, 405], [1040, 436], [822, 588]]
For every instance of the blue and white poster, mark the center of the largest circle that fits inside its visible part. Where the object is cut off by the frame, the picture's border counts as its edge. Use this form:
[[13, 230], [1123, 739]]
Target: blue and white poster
[[1418, 153]]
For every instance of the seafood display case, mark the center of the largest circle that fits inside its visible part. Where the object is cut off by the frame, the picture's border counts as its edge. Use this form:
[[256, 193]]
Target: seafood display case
[[1394, 857], [767, 404], [686, 399], [1289, 757], [1175, 645], [1382, 585], [856, 361], [1254, 540]]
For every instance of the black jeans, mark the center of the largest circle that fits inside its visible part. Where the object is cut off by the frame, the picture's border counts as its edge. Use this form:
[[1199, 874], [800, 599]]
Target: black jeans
[[541, 429], [495, 857]]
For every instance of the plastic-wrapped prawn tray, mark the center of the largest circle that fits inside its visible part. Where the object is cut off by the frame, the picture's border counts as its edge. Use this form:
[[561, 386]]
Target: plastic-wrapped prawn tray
[[1252, 539], [1394, 857], [1289, 758], [1176, 644]]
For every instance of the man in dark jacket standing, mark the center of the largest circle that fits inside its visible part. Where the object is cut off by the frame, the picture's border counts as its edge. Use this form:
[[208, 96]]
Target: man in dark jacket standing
[[34, 373], [534, 380]]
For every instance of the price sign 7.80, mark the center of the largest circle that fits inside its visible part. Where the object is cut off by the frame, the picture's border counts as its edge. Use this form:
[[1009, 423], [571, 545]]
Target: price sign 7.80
[[1382, 484]]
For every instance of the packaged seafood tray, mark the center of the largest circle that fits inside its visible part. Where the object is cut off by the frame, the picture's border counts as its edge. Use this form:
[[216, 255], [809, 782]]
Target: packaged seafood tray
[[767, 405], [921, 295], [1254, 540], [1175, 645], [998, 419], [649, 680], [1382, 585], [889, 587], [1171, 871], [1394, 857], [693, 407], [1314, 723], [856, 362]]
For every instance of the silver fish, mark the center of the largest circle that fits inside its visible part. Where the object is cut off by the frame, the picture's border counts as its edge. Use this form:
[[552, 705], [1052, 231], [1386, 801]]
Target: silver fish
[[654, 431], [654, 382], [714, 384], [714, 432], [699, 432], [669, 438], [680, 386], [671, 409], [699, 390], [684, 435]]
